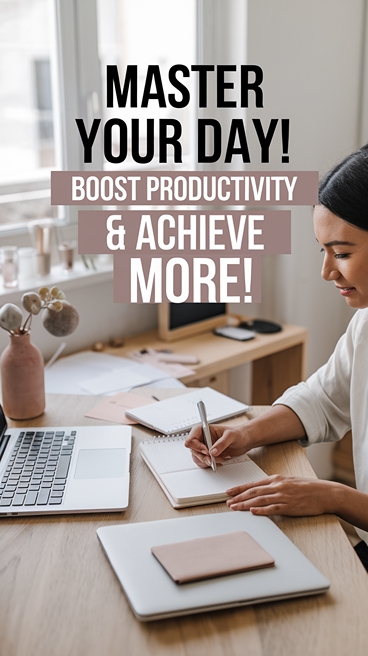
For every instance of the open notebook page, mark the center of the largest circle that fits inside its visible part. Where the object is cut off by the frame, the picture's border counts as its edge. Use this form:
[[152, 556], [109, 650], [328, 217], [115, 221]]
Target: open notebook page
[[172, 463], [198, 483], [168, 454]]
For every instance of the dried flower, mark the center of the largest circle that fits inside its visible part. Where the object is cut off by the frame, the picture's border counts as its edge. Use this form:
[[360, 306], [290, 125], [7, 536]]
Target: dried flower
[[10, 317], [60, 318], [32, 302]]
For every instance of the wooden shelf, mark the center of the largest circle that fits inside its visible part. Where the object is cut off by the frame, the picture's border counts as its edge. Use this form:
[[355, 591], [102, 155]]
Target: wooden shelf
[[279, 359]]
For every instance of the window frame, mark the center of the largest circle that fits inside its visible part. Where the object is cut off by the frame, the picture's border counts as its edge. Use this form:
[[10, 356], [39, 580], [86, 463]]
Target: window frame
[[77, 88]]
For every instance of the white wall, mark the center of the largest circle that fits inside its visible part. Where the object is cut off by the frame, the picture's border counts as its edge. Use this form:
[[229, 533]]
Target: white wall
[[311, 53]]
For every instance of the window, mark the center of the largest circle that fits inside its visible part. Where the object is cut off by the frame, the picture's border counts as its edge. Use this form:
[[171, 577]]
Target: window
[[142, 32], [53, 57], [50, 55], [26, 116]]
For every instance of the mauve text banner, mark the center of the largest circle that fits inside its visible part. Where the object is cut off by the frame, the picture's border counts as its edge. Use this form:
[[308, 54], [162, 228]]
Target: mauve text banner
[[234, 233], [201, 188]]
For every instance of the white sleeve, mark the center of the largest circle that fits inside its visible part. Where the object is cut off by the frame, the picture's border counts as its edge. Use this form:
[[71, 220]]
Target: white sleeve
[[322, 403]]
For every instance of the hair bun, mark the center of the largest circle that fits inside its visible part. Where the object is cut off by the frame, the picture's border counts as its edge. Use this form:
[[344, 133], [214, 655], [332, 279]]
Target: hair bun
[[344, 189]]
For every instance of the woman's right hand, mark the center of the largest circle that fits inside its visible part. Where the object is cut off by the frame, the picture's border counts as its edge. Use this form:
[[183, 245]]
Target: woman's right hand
[[278, 424], [227, 443]]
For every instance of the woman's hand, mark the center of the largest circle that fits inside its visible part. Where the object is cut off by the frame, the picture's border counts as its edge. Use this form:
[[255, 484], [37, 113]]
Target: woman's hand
[[227, 443], [279, 424], [280, 495]]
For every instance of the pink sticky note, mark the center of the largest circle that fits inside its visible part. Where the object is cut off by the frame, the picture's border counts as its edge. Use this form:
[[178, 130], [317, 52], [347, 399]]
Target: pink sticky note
[[113, 409]]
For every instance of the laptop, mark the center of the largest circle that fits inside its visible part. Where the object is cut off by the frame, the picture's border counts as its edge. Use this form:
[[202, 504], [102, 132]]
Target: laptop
[[153, 595], [181, 412], [52, 470]]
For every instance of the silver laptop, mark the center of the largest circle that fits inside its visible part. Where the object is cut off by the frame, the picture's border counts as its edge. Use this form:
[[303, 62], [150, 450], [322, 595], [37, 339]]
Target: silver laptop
[[154, 595], [63, 470]]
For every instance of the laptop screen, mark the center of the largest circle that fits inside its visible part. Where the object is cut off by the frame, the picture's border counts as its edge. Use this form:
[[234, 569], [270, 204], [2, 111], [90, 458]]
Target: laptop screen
[[3, 438]]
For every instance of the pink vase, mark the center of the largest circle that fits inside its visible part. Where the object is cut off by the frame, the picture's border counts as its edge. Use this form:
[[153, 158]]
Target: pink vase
[[22, 378]]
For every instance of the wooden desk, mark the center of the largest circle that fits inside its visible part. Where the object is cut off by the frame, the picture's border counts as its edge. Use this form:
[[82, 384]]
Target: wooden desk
[[279, 359], [59, 596]]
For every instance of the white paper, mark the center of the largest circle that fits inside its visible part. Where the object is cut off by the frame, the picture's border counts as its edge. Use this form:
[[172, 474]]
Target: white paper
[[167, 383], [117, 379], [64, 376]]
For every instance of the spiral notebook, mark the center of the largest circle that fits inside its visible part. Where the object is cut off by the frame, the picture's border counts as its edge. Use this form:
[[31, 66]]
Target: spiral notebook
[[183, 482]]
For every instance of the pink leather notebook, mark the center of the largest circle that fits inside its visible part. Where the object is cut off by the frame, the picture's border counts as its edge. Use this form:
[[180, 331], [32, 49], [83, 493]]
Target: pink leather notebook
[[218, 555]]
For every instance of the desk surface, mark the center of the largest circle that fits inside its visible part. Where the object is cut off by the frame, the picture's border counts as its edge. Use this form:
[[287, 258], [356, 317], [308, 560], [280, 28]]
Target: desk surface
[[59, 596]]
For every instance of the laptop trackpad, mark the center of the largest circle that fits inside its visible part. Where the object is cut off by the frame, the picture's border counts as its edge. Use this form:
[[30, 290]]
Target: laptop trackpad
[[100, 463]]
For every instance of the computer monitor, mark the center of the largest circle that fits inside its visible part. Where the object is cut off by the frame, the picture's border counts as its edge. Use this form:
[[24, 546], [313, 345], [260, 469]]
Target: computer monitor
[[178, 320]]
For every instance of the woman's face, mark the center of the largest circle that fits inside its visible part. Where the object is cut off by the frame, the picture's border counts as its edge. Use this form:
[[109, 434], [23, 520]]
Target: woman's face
[[345, 255]]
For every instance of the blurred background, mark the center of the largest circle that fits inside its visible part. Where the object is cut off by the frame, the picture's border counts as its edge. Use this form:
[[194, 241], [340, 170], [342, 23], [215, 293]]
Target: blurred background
[[53, 57]]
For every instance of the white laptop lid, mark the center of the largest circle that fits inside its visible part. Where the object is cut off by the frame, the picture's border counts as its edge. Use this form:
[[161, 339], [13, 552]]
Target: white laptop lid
[[181, 412], [152, 593]]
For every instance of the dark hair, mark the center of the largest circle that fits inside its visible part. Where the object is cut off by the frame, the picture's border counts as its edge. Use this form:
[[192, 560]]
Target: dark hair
[[344, 189]]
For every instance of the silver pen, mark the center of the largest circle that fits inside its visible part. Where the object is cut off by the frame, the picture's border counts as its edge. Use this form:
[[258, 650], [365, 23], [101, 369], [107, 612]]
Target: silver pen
[[206, 431]]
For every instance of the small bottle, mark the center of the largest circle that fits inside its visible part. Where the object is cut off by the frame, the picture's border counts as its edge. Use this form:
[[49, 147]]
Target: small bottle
[[26, 263], [9, 266], [66, 251]]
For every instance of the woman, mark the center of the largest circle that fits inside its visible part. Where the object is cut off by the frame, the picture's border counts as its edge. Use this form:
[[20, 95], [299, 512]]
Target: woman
[[335, 398]]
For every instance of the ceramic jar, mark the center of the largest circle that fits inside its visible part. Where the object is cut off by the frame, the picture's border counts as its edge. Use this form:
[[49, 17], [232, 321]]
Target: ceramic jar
[[22, 378]]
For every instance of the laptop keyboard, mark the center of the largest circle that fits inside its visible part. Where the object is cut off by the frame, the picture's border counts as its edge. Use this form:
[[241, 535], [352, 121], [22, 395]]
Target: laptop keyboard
[[37, 469]]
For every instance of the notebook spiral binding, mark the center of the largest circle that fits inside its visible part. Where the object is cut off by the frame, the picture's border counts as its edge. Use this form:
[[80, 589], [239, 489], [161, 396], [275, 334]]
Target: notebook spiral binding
[[166, 438]]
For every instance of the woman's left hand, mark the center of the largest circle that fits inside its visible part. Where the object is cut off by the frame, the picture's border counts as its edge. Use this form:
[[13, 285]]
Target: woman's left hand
[[280, 495]]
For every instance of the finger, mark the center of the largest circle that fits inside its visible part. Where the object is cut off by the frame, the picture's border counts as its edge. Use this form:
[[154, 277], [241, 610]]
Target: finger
[[272, 509], [226, 440], [233, 491], [195, 438], [258, 502], [197, 445], [254, 493], [200, 460], [195, 435], [204, 460]]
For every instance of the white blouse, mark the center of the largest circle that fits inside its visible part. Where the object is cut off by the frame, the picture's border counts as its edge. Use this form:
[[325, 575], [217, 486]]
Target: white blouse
[[335, 399]]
